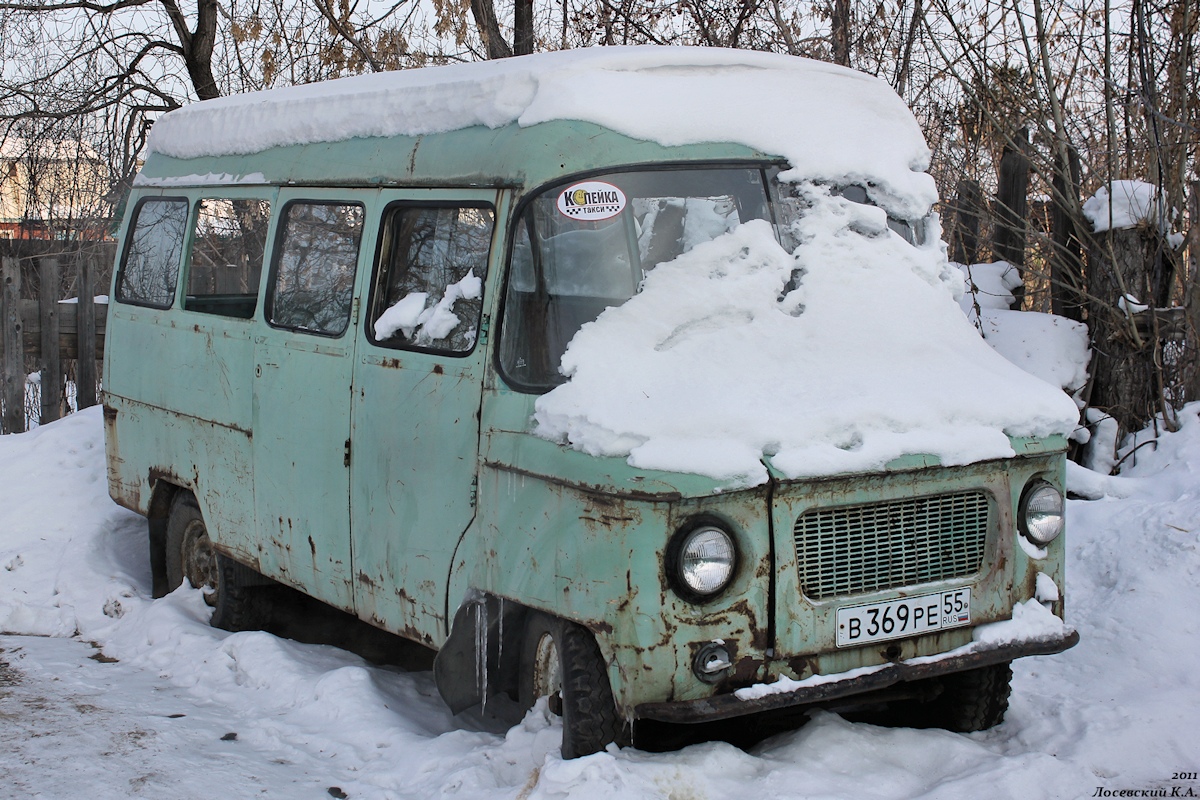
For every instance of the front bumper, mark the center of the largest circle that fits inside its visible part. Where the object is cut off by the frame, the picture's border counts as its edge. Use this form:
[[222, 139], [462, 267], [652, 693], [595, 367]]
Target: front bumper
[[824, 688]]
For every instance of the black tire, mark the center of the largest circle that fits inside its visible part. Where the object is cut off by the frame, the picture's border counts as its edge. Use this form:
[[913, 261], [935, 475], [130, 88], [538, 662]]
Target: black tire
[[578, 688], [974, 700], [229, 587]]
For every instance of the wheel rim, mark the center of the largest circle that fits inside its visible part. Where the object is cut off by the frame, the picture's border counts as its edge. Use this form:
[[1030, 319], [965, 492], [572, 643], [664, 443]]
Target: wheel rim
[[547, 673], [200, 561]]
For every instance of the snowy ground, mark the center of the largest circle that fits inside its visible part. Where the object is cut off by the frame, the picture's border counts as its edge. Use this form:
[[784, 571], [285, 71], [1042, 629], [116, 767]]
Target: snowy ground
[[186, 711]]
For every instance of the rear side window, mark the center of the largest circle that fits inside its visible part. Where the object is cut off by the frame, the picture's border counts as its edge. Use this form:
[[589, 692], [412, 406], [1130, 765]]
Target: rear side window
[[312, 287], [428, 292], [153, 247], [227, 255]]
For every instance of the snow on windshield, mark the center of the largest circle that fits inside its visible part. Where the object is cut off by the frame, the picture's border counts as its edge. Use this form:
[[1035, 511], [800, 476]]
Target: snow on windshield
[[718, 362], [827, 121]]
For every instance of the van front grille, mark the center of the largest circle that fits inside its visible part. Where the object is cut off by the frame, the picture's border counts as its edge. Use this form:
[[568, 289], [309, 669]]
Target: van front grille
[[850, 550]]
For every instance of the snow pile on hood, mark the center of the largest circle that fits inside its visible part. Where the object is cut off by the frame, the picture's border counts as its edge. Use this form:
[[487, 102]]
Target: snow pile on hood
[[827, 121], [1123, 204], [718, 363]]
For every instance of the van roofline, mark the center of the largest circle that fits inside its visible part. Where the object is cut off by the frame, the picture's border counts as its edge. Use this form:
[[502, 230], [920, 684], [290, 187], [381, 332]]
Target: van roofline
[[508, 157]]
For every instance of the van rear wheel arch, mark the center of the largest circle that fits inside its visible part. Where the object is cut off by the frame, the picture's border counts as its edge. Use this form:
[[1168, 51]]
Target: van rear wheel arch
[[236, 593]]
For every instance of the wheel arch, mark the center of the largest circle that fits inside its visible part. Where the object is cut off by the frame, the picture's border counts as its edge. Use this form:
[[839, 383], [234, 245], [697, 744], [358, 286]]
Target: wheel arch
[[465, 676], [489, 624]]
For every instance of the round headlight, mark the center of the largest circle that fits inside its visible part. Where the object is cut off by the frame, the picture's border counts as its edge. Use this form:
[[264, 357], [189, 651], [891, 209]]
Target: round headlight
[[1041, 513], [706, 559]]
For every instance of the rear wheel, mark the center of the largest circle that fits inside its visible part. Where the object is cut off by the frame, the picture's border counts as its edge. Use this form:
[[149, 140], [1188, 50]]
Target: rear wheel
[[229, 587], [562, 662]]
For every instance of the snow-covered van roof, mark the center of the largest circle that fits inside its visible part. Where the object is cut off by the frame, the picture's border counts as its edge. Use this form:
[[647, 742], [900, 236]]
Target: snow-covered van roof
[[827, 122]]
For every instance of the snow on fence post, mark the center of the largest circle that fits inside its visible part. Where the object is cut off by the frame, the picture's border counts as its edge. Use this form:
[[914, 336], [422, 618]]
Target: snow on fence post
[[12, 369], [50, 361], [85, 327]]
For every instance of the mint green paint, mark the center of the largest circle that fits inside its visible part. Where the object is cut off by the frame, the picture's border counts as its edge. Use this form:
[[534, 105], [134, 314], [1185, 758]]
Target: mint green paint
[[1028, 446], [302, 422], [444, 493], [509, 156], [912, 461]]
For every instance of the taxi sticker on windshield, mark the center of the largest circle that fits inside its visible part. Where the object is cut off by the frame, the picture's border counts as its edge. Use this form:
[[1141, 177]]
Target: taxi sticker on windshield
[[591, 200]]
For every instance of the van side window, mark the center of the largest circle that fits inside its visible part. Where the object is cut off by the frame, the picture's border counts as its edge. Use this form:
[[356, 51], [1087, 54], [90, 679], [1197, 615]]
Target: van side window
[[227, 254], [150, 264], [314, 265], [428, 291]]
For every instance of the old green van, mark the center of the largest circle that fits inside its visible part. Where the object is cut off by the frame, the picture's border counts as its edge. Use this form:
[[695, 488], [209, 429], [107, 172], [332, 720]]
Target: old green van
[[541, 364]]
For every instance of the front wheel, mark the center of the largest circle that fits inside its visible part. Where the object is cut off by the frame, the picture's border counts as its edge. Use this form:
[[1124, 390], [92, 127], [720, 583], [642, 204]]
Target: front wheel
[[561, 661], [227, 585], [974, 700]]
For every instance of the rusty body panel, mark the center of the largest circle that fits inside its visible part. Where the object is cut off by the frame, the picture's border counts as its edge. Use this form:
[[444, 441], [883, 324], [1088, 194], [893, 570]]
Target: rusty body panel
[[403, 484], [415, 459], [603, 536], [724, 706]]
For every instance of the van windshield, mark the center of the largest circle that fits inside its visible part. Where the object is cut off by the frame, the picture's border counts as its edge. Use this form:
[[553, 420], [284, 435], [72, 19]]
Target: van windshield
[[583, 246]]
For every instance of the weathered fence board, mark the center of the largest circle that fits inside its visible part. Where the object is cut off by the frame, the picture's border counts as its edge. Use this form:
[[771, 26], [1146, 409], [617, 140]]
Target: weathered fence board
[[85, 331], [12, 363], [46, 333], [68, 340], [51, 356]]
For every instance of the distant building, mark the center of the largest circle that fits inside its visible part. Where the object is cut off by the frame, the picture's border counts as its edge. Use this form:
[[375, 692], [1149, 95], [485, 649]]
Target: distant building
[[53, 190]]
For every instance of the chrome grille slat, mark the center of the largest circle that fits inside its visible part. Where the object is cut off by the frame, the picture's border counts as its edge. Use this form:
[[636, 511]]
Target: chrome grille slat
[[849, 550]]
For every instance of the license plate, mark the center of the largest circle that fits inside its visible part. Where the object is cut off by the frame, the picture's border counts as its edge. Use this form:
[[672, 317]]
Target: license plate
[[908, 616]]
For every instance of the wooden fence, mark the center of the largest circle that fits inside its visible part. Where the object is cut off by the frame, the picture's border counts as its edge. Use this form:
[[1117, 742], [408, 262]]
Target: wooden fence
[[63, 341]]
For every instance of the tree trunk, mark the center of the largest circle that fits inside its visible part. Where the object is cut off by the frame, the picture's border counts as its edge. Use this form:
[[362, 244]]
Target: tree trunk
[[484, 12], [1126, 381], [522, 27], [197, 45], [1012, 207], [1192, 286], [1067, 289], [840, 34], [966, 213]]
